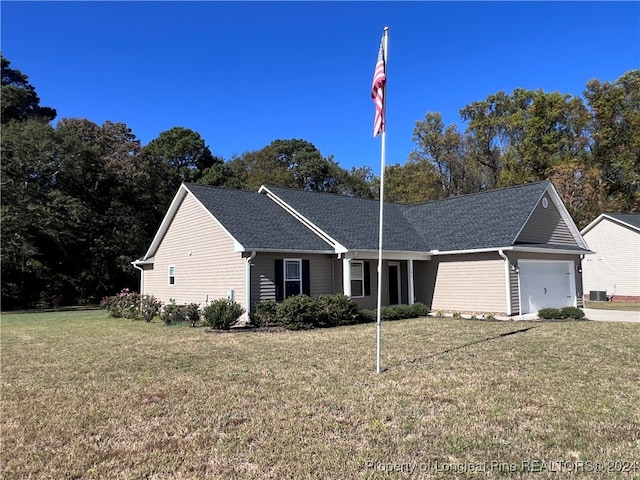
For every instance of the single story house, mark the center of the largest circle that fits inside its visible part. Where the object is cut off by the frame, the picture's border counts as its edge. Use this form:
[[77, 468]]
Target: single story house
[[615, 267], [507, 252]]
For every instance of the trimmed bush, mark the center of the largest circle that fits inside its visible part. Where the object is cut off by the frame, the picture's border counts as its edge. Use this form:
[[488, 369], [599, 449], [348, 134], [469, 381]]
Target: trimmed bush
[[572, 312], [367, 316], [299, 312], [419, 310], [560, 313], [266, 314], [125, 304], [221, 314], [337, 310]]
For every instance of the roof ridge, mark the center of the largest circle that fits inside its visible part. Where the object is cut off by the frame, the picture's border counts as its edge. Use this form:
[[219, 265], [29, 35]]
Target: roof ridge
[[467, 195]]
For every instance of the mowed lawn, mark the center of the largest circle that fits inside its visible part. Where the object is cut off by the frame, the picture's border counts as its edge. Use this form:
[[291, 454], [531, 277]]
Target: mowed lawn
[[86, 396]]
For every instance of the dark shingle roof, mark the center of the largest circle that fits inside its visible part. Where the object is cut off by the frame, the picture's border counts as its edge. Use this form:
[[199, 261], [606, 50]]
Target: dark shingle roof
[[630, 218], [490, 219], [352, 221], [255, 221], [483, 220]]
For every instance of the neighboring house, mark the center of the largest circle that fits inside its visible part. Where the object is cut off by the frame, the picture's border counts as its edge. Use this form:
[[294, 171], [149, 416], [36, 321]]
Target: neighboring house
[[507, 252], [615, 267]]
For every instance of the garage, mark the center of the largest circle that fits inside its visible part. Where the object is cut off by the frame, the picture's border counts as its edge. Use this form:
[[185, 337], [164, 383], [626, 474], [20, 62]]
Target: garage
[[545, 284]]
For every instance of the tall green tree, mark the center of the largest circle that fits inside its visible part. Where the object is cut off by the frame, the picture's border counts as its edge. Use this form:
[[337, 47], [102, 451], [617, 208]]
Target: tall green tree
[[19, 98], [615, 139]]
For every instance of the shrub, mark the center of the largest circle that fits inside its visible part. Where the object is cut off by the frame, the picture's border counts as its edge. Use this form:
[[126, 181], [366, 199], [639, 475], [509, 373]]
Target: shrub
[[192, 314], [419, 310], [549, 313], [560, 313], [171, 313], [149, 307], [400, 312], [221, 314], [572, 312], [125, 304], [266, 314], [337, 310], [367, 316], [299, 312]]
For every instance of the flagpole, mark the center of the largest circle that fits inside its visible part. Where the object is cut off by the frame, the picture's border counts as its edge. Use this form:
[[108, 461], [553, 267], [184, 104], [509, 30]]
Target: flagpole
[[382, 168]]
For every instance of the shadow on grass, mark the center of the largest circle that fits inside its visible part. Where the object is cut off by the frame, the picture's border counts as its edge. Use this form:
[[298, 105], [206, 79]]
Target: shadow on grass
[[460, 347]]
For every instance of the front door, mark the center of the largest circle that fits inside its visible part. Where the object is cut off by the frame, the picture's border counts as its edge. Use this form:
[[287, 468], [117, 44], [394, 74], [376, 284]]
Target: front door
[[394, 283]]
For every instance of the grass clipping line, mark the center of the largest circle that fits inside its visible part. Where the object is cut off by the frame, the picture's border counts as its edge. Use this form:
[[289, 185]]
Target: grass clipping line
[[85, 396]]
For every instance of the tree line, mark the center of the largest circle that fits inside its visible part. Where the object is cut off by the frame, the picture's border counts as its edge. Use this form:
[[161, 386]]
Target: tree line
[[80, 201]]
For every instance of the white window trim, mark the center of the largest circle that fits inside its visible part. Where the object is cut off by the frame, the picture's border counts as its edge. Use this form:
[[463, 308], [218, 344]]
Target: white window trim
[[361, 263], [169, 275], [284, 274]]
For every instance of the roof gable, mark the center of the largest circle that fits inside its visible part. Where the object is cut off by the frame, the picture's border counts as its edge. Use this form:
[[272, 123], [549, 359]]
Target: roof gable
[[491, 219], [250, 219], [629, 220], [550, 224], [352, 221]]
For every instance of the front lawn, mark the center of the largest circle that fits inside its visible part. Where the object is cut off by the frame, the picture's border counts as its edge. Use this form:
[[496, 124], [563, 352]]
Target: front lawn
[[86, 396], [627, 306]]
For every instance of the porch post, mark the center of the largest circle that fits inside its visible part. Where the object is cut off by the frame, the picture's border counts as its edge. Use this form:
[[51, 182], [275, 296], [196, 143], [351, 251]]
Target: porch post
[[346, 276], [410, 283]]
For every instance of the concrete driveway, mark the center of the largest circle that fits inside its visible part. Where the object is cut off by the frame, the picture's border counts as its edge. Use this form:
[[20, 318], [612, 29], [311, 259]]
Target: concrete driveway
[[611, 315]]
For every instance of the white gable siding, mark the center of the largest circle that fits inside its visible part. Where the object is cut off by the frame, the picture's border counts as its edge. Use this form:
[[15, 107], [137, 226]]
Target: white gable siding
[[546, 226], [615, 267], [205, 264]]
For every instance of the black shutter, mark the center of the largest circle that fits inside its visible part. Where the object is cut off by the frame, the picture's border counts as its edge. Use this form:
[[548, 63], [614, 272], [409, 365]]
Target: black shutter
[[279, 280], [306, 279], [367, 280]]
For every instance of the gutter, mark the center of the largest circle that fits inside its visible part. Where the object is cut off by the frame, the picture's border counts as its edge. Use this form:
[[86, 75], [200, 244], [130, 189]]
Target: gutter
[[507, 281]]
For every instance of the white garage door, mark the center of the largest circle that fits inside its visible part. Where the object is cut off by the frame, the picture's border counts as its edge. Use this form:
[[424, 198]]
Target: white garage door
[[546, 284]]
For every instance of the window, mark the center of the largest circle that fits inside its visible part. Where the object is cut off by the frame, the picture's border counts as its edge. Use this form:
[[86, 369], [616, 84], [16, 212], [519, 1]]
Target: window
[[292, 277], [172, 274], [357, 279]]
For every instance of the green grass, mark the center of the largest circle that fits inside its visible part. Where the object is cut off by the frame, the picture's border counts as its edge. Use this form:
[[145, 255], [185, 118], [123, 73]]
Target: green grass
[[85, 396], [627, 306]]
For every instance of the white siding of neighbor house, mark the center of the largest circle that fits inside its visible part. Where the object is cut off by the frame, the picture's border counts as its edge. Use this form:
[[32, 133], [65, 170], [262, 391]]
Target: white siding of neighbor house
[[546, 226], [263, 275], [615, 267], [202, 252], [469, 283]]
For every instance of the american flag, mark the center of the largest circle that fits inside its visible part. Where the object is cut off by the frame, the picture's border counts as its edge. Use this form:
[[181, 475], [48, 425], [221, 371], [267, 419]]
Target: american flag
[[377, 91]]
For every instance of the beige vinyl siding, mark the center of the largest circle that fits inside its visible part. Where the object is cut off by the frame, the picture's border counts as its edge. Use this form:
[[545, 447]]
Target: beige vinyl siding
[[515, 256], [615, 267], [205, 264], [263, 275], [546, 226], [470, 283]]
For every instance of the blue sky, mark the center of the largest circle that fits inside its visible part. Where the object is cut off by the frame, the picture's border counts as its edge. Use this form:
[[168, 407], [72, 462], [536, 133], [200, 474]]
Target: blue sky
[[243, 74]]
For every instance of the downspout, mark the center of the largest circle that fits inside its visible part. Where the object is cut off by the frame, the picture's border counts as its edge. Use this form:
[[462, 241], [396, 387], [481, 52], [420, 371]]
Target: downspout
[[247, 281], [141, 281], [507, 281], [136, 266]]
